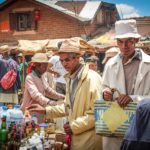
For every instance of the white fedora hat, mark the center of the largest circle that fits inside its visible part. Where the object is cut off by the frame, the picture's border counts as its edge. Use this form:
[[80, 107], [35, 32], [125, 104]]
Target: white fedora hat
[[126, 29]]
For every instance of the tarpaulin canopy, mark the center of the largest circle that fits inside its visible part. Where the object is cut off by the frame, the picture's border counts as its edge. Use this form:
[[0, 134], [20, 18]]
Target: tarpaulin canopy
[[53, 44], [32, 46], [107, 38]]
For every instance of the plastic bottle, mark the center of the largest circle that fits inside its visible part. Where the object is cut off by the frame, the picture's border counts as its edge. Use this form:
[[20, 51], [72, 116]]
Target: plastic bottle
[[17, 115], [9, 115], [3, 131], [4, 111], [43, 126], [42, 133], [47, 145]]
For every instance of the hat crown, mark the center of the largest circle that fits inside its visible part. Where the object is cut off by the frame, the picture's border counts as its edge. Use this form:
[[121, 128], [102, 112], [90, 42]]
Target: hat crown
[[40, 58], [69, 46], [126, 28]]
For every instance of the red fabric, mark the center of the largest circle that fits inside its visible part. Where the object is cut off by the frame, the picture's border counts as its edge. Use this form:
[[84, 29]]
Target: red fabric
[[30, 67], [8, 79], [68, 141]]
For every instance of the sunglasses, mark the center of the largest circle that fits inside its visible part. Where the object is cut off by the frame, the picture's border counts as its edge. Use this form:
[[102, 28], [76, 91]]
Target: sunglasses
[[66, 59]]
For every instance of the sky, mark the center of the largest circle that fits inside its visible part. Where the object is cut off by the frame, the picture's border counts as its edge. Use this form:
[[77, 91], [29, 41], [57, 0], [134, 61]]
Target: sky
[[129, 8], [132, 8]]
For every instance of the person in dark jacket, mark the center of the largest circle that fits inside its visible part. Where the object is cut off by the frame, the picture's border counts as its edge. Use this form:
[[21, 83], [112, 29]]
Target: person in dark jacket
[[137, 136], [6, 63]]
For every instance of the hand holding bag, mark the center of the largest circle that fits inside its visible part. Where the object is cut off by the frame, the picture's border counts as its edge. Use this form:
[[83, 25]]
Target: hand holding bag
[[111, 119]]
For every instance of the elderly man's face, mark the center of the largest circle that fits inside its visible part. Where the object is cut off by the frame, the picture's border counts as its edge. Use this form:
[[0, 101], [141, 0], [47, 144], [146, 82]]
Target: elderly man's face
[[41, 67], [127, 46], [69, 62]]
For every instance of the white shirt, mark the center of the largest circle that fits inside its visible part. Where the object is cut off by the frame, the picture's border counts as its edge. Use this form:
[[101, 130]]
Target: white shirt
[[58, 67]]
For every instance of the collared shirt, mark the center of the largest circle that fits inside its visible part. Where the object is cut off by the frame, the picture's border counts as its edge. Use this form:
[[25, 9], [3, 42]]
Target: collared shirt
[[130, 71], [74, 78]]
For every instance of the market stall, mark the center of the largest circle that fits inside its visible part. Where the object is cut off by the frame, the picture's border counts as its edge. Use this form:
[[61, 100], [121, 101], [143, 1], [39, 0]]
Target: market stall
[[20, 130]]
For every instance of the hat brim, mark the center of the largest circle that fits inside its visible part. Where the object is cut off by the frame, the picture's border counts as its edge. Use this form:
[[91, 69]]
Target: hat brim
[[105, 60], [127, 35], [32, 61], [4, 50]]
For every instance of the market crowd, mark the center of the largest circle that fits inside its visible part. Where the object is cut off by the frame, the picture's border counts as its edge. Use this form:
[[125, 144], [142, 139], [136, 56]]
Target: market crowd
[[62, 84]]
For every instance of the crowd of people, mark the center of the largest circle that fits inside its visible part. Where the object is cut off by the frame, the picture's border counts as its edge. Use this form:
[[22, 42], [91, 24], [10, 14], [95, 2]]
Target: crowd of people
[[65, 76]]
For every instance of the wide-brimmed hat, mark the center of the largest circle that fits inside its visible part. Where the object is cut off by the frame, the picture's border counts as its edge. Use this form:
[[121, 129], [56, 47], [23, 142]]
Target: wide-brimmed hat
[[126, 29], [40, 58], [4, 48], [70, 46], [110, 53]]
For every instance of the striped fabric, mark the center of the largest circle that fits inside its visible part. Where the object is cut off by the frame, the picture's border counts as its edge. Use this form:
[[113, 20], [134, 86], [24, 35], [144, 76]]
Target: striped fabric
[[111, 119]]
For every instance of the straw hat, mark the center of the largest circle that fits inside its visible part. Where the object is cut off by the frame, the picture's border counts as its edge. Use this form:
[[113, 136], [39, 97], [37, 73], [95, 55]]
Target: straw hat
[[126, 29], [70, 46], [110, 53], [40, 58], [4, 48]]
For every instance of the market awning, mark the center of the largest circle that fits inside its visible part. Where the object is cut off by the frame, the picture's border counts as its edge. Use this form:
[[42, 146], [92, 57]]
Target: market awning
[[107, 38], [32, 46]]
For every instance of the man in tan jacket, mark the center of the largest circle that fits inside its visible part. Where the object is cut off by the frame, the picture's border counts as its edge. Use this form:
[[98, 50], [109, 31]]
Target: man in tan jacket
[[83, 88]]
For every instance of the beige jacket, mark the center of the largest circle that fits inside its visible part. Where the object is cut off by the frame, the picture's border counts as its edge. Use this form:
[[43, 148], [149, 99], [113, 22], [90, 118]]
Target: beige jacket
[[113, 77], [81, 116]]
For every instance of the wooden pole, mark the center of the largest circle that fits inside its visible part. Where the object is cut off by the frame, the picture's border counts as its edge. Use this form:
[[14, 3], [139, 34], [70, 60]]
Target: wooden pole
[[23, 73]]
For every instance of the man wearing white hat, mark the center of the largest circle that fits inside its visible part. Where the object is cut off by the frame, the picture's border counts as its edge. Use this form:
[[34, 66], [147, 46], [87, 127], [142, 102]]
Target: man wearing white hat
[[83, 87], [128, 72]]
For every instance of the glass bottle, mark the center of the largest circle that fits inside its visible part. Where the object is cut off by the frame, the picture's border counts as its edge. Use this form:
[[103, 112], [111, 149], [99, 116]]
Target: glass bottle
[[3, 131]]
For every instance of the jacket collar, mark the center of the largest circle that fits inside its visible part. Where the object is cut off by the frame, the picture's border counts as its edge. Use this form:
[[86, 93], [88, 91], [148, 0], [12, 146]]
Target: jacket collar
[[82, 72], [145, 58], [143, 69]]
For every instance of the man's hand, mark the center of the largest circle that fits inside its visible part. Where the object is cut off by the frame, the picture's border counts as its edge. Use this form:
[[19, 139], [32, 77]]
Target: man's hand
[[67, 128], [36, 108], [123, 100], [107, 94]]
